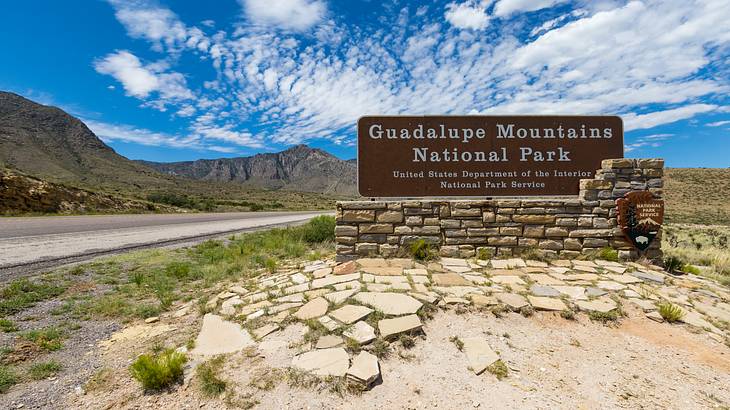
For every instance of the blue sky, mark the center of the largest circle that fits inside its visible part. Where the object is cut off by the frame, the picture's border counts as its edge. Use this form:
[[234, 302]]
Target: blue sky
[[180, 80]]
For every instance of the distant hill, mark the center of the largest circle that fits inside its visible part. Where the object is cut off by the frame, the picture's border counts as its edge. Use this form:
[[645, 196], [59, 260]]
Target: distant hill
[[299, 168], [697, 195]]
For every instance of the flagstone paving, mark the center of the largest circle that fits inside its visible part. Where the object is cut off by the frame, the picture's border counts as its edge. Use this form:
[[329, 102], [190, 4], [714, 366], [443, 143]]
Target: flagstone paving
[[373, 298]]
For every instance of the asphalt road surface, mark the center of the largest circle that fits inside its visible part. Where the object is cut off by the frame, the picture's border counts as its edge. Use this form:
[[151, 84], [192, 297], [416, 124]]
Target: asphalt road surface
[[31, 244]]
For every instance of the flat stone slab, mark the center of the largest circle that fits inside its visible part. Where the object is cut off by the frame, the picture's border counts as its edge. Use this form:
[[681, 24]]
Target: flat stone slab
[[312, 309], [264, 331], [479, 354], [648, 276], [449, 279], [218, 336], [389, 303], [592, 292], [350, 313], [228, 307], [391, 327], [323, 362], [321, 272], [543, 303], [365, 369], [512, 300], [340, 296], [547, 291], [645, 305], [458, 269], [602, 305], [573, 292], [331, 280], [481, 300], [387, 271], [329, 341], [360, 332], [610, 285], [454, 262], [543, 279], [425, 297], [508, 280], [416, 271], [329, 323], [345, 268], [480, 280], [625, 279], [372, 262]]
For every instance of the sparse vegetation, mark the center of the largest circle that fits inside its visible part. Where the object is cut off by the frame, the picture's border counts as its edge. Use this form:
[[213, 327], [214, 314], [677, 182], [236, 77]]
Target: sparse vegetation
[[604, 317], [457, 342], [160, 370], [48, 339], [567, 314], [499, 369], [407, 341], [8, 326], [100, 380], [608, 254], [697, 245], [208, 375], [422, 250], [380, 348], [8, 378], [44, 370], [670, 312], [21, 294], [527, 311]]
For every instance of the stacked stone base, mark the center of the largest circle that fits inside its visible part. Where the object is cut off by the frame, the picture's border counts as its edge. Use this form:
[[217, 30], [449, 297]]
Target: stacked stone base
[[551, 227]]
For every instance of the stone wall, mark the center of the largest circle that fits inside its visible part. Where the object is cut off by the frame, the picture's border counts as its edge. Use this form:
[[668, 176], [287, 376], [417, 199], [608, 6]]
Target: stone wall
[[564, 227]]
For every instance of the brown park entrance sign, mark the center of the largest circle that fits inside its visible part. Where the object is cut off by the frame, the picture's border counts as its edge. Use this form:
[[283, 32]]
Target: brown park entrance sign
[[412, 156], [640, 217]]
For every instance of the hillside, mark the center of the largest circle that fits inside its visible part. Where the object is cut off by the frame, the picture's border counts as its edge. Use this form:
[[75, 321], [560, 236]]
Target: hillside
[[299, 168], [697, 195]]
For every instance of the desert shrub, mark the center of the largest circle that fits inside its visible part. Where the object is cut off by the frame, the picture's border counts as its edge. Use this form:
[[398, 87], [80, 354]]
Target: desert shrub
[[608, 254], [604, 317], [670, 312], [178, 270], [8, 326], [43, 370], [484, 253], [160, 370], [49, 339], [22, 293], [499, 369], [380, 348], [208, 375], [407, 341], [691, 269], [457, 342], [567, 314], [8, 378], [422, 250], [673, 264], [319, 229]]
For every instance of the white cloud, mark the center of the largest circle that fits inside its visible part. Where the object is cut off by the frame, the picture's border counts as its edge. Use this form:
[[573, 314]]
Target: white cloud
[[654, 141], [504, 8], [289, 14], [717, 123], [637, 122], [139, 80], [467, 16]]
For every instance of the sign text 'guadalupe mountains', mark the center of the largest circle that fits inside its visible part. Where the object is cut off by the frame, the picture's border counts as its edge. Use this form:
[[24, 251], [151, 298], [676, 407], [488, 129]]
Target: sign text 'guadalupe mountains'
[[411, 156]]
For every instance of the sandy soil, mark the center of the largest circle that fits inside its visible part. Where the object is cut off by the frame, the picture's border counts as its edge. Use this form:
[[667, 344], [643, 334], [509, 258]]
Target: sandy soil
[[554, 363]]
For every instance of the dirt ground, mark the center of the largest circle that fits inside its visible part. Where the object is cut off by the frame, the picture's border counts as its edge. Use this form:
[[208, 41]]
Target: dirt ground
[[553, 363]]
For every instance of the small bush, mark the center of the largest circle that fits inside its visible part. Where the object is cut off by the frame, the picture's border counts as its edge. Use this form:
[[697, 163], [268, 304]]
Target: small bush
[[527, 311], [457, 342], [158, 371], [673, 264], [49, 339], [319, 229], [422, 251], [8, 378], [567, 314], [604, 317], [499, 369], [670, 312], [8, 326], [608, 254], [380, 348], [691, 269], [208, 375], [407, 341], [43, 370], [484, 254], [22, 293]]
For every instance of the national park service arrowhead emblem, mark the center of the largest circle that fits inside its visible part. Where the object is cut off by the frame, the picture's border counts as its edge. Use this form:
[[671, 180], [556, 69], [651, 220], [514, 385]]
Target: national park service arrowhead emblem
[[640, 217]]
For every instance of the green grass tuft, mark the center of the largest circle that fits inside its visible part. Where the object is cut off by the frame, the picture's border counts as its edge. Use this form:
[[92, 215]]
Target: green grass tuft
[[160, 370], [670, 312], [208, 374], [8, 326], [499, 369], [21, 294], [49, 338], [422, 251], [8, 378], [43, 370]]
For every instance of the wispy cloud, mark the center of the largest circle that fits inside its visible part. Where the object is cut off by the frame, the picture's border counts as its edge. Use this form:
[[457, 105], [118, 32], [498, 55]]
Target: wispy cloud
[[717, 123], [314, 78], [654, 141]]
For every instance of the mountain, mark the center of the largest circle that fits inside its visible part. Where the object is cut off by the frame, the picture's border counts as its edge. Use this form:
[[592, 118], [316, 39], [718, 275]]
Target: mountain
[[299, 168], [48, 143]]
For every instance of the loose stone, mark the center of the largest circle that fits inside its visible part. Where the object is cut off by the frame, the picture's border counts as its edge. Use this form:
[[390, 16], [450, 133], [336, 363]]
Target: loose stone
[[391, 327]]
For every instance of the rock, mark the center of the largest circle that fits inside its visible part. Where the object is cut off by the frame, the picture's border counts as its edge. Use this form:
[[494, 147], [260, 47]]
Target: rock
[[360, 332], [543, 279], [458, 269], [228, 308], [592, 292], [239, 290], [479, 354], [384, 271], [479, 280], [328, 323], [391, 327], [416, 272], [449, 279], [299, 278], [544, 303], [321, 272], [218, 336], [389, 303], [655, 316], [329, 341], [695, 319], [225, 295], [508, 280], [427, 297], [628, 293], [295, 298], [182, 311], [481, 300], [603, 305], [152, 319], [454, 262], [350, 313], [625, 279], [573, 292], [365, 369], [450, 300], [645, 305], [340, 296], [345, 268], [372, 262], [312, 309], [323, 362], [609, 285], [264, 331], [648, 276], [547, 291], [512, 300], [331, 280]]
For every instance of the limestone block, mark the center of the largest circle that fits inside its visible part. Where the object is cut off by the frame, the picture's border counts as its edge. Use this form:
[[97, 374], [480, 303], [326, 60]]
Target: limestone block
[[358, 216], [389, 216], [376, 228]]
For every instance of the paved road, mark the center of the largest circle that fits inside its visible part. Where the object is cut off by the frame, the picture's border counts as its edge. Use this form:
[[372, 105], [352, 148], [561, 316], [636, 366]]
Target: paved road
[[30, 244]]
